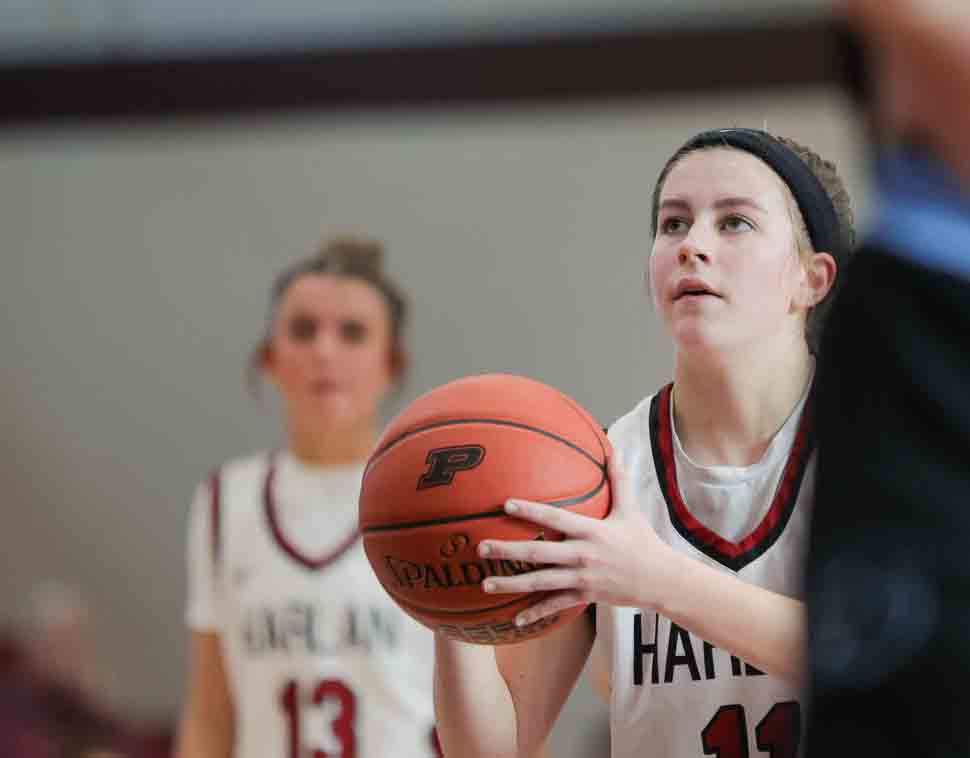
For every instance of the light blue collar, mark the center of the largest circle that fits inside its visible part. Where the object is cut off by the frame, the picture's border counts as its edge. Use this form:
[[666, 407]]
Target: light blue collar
[[923, 214]]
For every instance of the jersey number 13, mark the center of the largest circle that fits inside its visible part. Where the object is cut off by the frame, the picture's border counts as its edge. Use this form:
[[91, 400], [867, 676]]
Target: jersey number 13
[[320, 695]]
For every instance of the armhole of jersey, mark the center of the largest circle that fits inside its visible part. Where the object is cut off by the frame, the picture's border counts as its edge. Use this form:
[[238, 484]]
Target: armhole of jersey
[[591, 608], [215, 519]]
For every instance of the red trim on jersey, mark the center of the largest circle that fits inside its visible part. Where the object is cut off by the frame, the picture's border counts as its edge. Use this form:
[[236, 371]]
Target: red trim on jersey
[[215, 516], [731, 554], [269, 502]]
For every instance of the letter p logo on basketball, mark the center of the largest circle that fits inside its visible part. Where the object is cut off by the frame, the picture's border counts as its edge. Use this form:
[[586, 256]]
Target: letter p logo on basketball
[[445, 462]]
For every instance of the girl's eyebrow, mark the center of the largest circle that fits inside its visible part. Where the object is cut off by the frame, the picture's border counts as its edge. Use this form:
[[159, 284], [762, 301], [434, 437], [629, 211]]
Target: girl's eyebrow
[[735, 202], [676, 203]]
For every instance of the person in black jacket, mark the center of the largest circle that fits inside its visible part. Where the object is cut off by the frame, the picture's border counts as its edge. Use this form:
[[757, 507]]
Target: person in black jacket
[[888, 580]]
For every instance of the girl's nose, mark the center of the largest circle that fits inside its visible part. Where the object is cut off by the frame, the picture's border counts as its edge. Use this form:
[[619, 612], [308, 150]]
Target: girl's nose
[[690, 253], [325, 344]]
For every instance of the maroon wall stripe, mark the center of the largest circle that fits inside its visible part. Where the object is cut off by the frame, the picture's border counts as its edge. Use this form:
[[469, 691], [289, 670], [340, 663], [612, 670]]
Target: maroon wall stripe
[[637, 63]]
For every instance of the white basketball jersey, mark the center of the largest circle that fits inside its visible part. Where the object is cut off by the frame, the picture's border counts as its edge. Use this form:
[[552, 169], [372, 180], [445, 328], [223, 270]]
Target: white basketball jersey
[[674, 695], [321, 663]]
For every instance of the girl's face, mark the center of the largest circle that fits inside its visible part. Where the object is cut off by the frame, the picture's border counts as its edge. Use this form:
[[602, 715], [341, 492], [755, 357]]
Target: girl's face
[[330, 353], [725, 271]]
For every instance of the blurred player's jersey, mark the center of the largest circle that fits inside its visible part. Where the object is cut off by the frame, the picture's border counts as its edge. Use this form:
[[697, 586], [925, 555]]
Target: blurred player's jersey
[[320, 661], [674, 695]]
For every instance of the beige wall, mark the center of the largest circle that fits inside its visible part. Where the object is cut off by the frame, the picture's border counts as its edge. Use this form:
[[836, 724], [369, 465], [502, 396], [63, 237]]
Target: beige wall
[[133, 280]]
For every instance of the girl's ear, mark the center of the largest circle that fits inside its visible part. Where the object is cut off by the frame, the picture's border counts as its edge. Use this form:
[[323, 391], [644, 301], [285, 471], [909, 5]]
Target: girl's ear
[[820, 272], [398, 363], [266, 359]]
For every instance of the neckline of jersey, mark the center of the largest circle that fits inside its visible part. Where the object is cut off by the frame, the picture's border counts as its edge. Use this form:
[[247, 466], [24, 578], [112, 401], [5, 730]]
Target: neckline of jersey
[[732, 555], [272, 517]]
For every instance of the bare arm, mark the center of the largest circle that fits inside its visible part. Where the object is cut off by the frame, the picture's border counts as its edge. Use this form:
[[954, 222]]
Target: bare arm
[[207, 727], [599, 675], [621, 561], [764, 628], [502, 702], [624, 563]]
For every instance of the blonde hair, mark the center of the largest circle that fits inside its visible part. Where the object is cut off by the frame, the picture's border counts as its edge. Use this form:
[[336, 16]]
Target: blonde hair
[[354, 257]]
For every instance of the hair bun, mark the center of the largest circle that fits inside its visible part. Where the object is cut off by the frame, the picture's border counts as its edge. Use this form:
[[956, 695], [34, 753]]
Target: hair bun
[[352, 253]]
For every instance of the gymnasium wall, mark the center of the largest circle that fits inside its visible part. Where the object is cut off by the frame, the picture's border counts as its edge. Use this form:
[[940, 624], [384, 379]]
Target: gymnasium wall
[[48, 30], [133, 282]]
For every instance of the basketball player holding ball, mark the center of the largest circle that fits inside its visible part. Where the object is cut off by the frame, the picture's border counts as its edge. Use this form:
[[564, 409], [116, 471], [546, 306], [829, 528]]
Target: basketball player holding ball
[[296, 649], [696, 572]]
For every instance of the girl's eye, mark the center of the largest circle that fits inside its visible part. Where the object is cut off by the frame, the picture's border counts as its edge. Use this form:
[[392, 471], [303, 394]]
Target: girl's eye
[[673, 225], [736, 224], [303, 329], [354, 332]]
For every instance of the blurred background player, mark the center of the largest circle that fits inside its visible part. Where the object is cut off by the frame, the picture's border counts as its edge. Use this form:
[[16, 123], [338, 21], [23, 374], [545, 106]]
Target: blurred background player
[[887, 580], [697, 571], [295, 646], [57, 698]]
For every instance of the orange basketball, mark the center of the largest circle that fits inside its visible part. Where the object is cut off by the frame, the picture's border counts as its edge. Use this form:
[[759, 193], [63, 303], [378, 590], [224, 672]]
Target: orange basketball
[[436, 485]]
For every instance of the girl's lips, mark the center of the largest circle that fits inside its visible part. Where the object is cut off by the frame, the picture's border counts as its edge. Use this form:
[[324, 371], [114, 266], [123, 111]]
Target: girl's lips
[[693, 287]]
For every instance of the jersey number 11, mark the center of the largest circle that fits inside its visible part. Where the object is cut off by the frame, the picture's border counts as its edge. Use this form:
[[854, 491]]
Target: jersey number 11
[[778, 733]]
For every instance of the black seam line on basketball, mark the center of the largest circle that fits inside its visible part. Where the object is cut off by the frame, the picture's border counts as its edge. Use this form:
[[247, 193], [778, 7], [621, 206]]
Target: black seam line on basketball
[[584, 415], [468, 611], [496, 422], [480, 514]]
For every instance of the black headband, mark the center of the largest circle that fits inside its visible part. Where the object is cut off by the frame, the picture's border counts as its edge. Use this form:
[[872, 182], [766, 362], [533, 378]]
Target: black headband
[[824, 229]]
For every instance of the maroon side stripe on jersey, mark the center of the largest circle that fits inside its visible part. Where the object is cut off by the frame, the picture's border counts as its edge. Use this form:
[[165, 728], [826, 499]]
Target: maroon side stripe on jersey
[[215, 516], [733, 555], [269, 504]]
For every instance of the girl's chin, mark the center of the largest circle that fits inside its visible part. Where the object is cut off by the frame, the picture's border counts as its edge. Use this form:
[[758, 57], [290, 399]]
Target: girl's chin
[[699, 338], [332, 410]]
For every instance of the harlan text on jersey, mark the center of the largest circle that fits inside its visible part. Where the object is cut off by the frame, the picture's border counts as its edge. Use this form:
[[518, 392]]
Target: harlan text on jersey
[[318, 629], [665, 653]]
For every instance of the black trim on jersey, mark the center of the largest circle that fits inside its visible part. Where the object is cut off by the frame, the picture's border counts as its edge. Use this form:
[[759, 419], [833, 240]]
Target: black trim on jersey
[[734, 556], [269, 505]]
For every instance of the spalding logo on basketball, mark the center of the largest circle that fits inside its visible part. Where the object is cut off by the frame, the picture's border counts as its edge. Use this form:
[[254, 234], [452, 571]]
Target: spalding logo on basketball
[[436, 485]]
